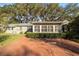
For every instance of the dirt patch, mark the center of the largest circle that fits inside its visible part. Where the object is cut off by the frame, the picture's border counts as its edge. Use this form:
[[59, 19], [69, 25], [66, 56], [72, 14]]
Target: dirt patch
[[71, 45], [27, 47]]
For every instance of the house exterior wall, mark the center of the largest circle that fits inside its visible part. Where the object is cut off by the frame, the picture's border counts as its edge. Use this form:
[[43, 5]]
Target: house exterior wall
[[46, 28], [24, 29], [38, 27], [16, 30]]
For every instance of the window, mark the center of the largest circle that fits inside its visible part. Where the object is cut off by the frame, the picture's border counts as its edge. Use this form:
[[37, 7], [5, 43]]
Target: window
[[10, 28], [44, 28], [56, 28], [50, 28], [37, 28]]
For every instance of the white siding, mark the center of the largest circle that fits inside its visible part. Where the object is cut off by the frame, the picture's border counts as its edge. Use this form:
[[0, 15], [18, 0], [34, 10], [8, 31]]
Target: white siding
[[33, 28], [56, 28], [16, 30], [24, 29]]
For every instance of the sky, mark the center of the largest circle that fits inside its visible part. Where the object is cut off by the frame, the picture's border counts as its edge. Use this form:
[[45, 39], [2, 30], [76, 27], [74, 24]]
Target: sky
[[2, 4], [61, 4]]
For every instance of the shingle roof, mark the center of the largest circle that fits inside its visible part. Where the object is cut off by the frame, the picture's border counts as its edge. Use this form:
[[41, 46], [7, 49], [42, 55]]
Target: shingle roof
[[21, 24], [48, 22]]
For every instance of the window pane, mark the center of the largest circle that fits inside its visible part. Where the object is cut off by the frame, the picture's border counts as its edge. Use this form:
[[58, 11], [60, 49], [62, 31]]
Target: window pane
[[56, 28], [50, 28], [37, 28], [44, 28]]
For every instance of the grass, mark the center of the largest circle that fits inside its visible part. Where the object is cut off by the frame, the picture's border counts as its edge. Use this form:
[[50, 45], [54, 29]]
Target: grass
[[6, 39]]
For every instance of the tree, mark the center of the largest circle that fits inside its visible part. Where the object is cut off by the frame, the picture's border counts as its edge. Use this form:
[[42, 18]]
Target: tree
[[74, 25], [74, 29], [28, 12]]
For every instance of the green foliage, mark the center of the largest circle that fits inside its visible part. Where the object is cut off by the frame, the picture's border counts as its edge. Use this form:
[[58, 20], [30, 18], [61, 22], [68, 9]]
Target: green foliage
[[3, 37], [45, 35], [72, 35], [29, 12], [46, 12], [8, 38], [74, 29], [75, 25]]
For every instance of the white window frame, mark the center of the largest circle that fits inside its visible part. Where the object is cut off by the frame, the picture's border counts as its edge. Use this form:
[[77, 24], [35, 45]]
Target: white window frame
[[56, 28], [50, 28], [44, 29], [36, 28]]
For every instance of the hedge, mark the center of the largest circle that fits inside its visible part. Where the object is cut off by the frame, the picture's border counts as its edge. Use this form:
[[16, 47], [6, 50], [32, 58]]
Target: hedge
[[72, 35], [45, 35]]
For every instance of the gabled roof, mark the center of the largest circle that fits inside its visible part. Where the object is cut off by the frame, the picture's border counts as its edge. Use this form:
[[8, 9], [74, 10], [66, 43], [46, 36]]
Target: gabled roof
[[65, 22], [47, 22], [21, 24]]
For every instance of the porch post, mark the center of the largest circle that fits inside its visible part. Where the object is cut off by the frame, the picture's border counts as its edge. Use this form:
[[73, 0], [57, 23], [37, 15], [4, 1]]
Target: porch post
[[40, 28], [33, 28], [53, 28]]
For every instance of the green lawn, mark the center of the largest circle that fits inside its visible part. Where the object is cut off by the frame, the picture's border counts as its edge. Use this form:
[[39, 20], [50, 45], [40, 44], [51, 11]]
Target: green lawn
[[6, 39]]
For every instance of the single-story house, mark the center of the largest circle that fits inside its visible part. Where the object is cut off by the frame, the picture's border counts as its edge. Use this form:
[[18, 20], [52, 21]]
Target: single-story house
[[18, 28], [37, 27]]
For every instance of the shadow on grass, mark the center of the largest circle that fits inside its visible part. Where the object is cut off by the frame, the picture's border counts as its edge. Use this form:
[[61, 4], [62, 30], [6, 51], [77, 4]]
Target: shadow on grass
[[3, 37]]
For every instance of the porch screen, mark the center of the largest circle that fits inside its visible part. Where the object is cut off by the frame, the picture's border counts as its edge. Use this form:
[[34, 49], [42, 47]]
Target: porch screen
[[50, 28], [44, 28], [37, 28]]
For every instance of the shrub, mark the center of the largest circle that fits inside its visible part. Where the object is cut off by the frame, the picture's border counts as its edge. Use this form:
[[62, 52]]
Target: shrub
[[45, 35], [3, 37], [72, 35]]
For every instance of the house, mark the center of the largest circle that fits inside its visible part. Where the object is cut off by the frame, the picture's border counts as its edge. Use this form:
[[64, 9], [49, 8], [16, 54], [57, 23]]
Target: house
[[47, 27], [37, 27], [18, 28]]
